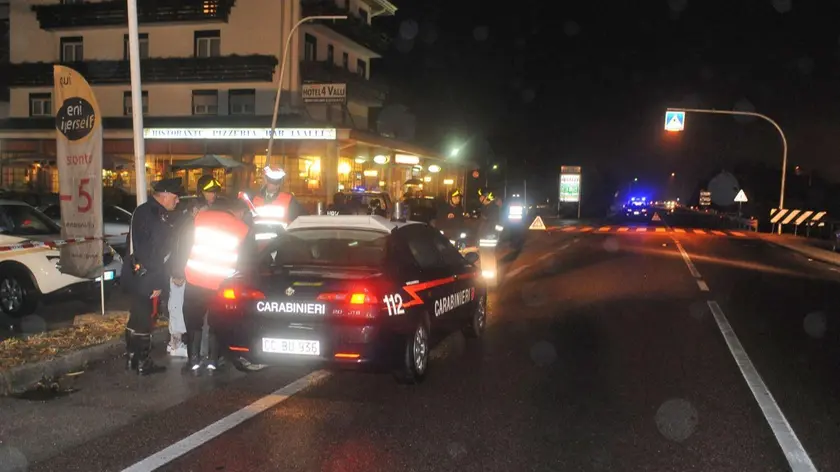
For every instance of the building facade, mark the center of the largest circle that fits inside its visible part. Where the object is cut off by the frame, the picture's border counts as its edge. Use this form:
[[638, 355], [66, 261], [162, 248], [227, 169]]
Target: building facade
[[209, 88]]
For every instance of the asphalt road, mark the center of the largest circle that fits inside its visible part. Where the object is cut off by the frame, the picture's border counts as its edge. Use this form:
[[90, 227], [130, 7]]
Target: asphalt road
[[604, 351]]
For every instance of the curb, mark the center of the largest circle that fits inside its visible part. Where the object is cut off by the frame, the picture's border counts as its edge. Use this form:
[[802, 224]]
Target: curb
[[20, 378], [816, 257]]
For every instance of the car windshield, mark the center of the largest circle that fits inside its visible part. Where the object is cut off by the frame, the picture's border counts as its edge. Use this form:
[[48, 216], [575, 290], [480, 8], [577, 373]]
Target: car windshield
[[326, 247], [23, 220]]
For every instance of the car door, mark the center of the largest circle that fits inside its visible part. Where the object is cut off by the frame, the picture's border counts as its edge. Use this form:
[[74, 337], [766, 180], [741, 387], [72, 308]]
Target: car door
[[435, 280], [462, 295]]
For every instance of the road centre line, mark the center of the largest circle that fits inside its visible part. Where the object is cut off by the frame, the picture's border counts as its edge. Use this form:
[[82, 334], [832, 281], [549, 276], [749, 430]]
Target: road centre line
[[704, 287], [795, 453], [199, 438], [687, 260]]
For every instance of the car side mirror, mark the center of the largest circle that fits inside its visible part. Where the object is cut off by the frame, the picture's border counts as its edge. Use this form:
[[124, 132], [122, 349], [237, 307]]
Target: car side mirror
[[471, 257]]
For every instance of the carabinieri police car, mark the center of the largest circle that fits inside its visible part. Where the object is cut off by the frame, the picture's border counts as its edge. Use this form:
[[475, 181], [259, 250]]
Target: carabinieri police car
[[352, 289]]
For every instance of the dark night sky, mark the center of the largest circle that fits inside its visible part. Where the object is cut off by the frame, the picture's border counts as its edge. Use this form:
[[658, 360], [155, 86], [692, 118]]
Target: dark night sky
[[560, 83]]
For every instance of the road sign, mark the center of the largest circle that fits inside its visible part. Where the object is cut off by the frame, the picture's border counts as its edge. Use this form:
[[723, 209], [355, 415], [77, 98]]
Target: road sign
[[570, 169], [656, 217], [569, 187], [705, 198], [537, 224], [741, 197], [674, 120]]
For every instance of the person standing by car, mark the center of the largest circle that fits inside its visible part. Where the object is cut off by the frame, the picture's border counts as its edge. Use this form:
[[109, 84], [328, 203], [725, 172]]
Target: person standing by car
[[210, 250], [145, 273], [273, 206], [451, 213]]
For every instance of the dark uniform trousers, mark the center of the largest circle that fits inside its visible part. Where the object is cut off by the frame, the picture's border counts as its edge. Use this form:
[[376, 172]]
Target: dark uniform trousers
[[197, 302]]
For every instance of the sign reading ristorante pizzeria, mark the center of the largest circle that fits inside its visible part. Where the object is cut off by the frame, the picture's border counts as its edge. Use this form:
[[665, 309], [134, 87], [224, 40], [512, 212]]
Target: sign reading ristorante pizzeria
[[328, 134]]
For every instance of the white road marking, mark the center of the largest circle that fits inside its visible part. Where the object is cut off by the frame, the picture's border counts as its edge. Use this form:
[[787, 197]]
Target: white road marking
[[516, 271], [225, 424], [796, 455], [687, 260], [703, 286]]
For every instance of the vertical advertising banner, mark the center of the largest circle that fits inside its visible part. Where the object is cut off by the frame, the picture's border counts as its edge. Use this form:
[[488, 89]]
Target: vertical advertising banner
[[78, 127]]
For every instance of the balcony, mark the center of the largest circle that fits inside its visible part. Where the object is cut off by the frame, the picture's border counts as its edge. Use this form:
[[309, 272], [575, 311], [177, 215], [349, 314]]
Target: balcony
[[371, 92], [113, 13], [155, 70], [353, 27]]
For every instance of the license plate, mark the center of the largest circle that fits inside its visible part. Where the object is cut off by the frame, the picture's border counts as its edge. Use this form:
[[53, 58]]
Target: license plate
[[109, 275], [292, 346]]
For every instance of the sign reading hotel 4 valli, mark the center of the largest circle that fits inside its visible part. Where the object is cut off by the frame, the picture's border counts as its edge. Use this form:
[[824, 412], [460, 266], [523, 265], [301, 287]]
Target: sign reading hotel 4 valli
[[79, 157]]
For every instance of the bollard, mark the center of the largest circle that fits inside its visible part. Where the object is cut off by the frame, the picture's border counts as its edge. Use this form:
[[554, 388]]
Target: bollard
[[398, 207], [320, 208]]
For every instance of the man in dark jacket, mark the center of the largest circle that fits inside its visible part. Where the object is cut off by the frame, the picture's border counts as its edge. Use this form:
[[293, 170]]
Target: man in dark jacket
[[145, 271]]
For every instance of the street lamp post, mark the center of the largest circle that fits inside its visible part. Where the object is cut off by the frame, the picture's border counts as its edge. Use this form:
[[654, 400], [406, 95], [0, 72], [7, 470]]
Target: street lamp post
[[283, 68], [758, 115]]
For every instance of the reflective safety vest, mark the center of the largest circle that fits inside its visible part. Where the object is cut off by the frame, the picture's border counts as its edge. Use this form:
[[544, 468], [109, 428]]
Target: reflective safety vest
[[215, 251], [274, 211]]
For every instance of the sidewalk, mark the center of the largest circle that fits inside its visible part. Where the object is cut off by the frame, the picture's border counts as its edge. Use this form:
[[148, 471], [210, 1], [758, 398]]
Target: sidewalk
[[816, 249]]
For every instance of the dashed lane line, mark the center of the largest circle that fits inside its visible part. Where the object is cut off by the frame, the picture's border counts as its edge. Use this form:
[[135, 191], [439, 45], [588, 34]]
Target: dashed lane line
[[795, 453]]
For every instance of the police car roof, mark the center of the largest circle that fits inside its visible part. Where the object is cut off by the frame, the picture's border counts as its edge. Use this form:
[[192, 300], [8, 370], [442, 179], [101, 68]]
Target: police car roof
[[369, 222]]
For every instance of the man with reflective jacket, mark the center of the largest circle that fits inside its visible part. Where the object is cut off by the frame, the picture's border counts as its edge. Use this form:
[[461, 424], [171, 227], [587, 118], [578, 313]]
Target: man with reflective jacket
[[271, 206], [490, 233], [211, 249]]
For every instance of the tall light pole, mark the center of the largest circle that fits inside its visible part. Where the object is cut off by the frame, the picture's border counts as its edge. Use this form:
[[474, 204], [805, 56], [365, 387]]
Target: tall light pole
[[282, 70], [136, 103], [758, 115]]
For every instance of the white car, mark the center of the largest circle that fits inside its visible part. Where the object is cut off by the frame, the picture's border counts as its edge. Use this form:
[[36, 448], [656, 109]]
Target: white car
[[30, 276], [115, 222]]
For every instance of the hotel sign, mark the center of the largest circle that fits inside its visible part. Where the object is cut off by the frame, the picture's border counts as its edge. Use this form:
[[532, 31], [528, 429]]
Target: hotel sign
[[324, 93], [326, 134]]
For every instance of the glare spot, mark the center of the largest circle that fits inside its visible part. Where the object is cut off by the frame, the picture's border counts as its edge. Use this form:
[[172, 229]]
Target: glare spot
[[409, 29], [480, 33], [815, 324], [677, 419], [12, 459], [533, 295], [611, 244], [543, 353], [456, 450], [32, 324], [744, 105], [528, 95], [782, 6], [571, 28]]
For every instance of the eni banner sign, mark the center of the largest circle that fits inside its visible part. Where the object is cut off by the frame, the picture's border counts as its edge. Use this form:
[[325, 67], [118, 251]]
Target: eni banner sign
[[78, 135], [326, 134]]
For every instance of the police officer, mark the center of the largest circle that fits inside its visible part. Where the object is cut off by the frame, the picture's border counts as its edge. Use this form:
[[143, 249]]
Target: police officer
[[490, 212], [145, 273], [207, 190], [273, 204], [451, 213], [214, 246]]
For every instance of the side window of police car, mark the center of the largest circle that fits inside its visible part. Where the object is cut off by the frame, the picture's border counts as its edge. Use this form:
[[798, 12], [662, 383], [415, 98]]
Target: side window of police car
[[420, 241], [451, 257]]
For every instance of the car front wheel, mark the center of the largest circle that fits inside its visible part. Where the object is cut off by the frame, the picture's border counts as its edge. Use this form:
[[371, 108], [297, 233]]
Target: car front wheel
[[18, 295]]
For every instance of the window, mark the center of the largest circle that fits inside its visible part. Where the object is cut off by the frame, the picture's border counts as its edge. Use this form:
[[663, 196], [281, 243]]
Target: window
[[40, 104], [143, 44], [451, 257], [205, 102], [363, 14], [208, 43], [72, 49], [128, 110], [241, 102], [327, 247], [345, 61], [310, 48], [23, 220], [331, 54], [361, 68], [422, 246], [112, 214], [54, 212]]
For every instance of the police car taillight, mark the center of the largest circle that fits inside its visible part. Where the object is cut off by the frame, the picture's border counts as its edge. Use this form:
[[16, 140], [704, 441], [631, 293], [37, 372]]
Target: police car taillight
[[235, 293], [352, 298]]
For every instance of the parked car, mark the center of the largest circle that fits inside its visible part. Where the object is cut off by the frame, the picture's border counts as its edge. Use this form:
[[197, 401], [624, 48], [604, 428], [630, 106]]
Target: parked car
[[29, 276], [116, 222]]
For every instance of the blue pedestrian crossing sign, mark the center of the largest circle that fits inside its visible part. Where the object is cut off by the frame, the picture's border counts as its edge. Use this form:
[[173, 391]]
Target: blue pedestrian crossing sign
[[674, 120]]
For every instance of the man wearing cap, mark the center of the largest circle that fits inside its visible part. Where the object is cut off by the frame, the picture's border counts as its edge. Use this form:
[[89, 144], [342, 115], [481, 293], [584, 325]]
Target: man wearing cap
[[272, 206], [145, 271], [451, 213]]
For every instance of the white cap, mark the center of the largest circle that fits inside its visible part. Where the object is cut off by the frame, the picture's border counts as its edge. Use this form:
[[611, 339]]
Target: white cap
[[273, 174]]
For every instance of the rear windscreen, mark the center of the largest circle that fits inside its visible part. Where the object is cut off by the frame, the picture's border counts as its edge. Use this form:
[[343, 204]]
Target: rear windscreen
[[326, 247]]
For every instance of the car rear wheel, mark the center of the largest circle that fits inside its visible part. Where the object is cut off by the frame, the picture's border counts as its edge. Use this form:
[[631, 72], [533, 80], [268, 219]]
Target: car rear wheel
[[415, 360], [478, 321], [18, 295]]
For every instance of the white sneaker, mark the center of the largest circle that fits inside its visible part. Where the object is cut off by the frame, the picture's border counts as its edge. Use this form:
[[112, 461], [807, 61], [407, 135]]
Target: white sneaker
[[180, 351]]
